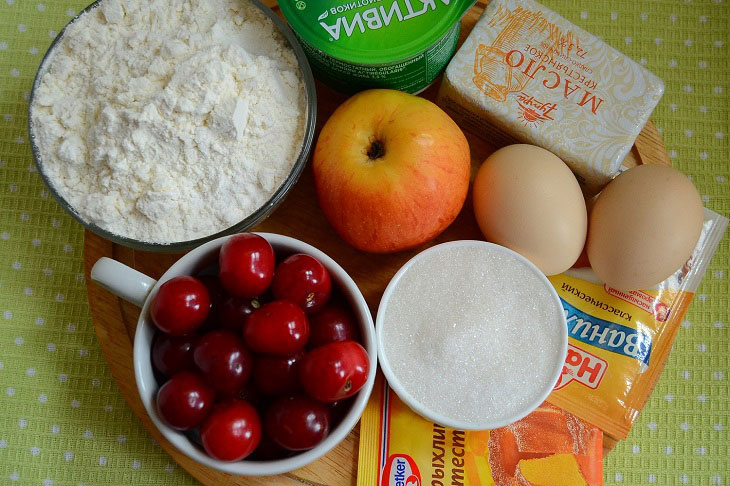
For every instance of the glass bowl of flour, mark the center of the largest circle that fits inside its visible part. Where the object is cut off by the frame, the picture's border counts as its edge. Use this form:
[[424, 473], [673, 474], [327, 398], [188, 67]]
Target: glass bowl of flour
[[471, 335], [162, 125]]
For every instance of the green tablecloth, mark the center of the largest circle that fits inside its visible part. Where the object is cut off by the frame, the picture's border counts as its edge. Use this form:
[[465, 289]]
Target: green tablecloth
[[62, 417]]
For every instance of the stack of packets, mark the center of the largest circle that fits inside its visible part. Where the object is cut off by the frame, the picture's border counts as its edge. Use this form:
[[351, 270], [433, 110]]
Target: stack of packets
[[617, 347], [619, 341]]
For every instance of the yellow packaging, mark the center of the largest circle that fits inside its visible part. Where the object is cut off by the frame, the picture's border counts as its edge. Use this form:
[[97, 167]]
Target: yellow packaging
[[549, 447], [527, 74], [619, 341], [616, 349]]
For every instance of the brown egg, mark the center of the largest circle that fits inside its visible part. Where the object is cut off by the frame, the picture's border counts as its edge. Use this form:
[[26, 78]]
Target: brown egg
[[527, 199], [643, 227]]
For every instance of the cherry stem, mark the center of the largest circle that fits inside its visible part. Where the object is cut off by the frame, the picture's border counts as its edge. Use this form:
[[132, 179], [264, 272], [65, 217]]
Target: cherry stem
[[376, 150]]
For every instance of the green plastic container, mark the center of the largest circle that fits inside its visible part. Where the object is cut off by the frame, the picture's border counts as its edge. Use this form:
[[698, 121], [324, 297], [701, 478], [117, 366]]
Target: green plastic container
[[361, 44]]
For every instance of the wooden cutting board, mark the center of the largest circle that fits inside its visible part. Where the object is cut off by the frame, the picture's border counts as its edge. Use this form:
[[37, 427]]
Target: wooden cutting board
[[299, 216]]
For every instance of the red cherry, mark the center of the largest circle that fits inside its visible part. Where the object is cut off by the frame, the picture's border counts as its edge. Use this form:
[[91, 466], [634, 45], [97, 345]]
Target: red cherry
[[303, 280], [216, 294], [180, 306], [248, 392], [339, 409], [232, 431], [223, 360], [297, 423], [246, 264], [184, 400], [172, 354], [331, 324], [268, 450], [277, 375], [279, 327], [235, 310], [334, 371]]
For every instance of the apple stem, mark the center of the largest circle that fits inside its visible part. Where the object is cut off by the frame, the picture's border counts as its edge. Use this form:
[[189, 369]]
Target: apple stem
[[376, 150]]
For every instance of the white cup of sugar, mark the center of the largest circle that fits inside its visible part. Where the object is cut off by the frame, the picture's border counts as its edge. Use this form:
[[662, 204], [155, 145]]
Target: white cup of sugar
[[471, 335]]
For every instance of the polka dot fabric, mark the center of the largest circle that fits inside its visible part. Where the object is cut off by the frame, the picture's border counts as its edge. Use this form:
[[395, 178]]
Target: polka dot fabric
[[63, 420], [682, 437]]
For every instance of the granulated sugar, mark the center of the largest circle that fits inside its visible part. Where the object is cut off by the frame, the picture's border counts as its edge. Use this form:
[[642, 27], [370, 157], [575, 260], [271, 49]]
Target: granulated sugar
[[473, 334]]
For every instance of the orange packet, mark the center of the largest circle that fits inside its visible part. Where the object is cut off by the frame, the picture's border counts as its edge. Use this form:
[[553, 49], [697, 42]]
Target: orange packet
[[549, 447], [619, 341]]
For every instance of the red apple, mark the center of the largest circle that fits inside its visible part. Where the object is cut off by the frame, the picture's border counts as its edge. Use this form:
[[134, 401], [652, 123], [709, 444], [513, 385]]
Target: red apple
[[391, 170]]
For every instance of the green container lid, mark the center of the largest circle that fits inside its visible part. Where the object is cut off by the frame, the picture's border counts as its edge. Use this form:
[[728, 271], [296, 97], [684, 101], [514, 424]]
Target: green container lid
[[373, 32]]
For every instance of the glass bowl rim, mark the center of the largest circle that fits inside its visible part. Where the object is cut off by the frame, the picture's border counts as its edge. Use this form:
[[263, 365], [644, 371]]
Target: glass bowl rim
[[249, 221]]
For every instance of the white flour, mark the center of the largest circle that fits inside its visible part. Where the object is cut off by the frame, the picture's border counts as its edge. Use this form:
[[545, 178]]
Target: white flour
[[168, 120]]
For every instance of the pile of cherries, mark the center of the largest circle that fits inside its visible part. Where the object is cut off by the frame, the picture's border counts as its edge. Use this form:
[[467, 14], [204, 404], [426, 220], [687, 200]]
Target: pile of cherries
[[259, 359]]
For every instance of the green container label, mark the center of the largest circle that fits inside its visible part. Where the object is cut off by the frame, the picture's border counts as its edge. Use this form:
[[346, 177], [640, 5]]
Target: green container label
[[398, 44]]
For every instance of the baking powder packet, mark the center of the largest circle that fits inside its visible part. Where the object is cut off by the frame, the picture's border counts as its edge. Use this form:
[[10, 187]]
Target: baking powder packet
[[548, 447], [619, 341]]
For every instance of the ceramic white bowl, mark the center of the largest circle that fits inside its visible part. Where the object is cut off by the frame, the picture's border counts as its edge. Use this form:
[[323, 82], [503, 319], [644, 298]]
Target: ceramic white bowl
[[140, 289], [395, 383]]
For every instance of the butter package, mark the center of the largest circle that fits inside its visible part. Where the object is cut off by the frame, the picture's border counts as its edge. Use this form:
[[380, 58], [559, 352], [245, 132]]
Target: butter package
[[619, 341], [525, 74], [549, 447]]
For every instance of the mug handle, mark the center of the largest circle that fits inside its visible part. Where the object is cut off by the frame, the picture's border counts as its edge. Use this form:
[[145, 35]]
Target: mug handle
[[121, 280]]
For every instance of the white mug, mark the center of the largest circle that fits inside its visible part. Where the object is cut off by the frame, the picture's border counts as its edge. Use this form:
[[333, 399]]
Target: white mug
[[139, 289]]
